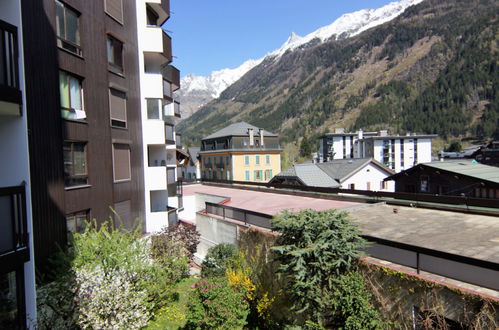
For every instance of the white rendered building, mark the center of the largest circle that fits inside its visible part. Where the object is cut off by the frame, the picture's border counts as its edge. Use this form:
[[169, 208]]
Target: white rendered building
[[394, 151], [17, 274], [158, 80]]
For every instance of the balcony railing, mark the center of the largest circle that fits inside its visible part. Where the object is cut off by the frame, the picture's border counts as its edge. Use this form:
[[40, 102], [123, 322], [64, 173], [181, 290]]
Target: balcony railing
[[13, 225], [167, 89], [167, 47], [9, 66], [169, 134], [176, 109], [178, 140], [172, 74]]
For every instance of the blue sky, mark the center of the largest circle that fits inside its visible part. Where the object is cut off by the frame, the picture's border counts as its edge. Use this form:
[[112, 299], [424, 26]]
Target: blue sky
[[218, 34]]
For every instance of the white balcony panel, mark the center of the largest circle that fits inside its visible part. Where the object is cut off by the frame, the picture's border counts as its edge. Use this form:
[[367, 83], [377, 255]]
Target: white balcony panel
[[154, 132], [173, 201], [156, 221], [152, 38], [153, 86], [156, 178]]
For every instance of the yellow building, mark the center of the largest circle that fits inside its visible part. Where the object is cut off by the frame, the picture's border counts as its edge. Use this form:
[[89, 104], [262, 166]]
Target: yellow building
[[240, 152]]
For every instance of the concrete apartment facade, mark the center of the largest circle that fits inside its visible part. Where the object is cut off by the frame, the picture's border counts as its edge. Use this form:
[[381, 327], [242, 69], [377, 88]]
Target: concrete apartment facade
[[17, 271], [158, 80], [240, 152], [394, 151]]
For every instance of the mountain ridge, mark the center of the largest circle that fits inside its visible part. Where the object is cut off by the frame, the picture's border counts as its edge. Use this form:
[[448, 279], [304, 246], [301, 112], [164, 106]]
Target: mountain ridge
[[199, 90]]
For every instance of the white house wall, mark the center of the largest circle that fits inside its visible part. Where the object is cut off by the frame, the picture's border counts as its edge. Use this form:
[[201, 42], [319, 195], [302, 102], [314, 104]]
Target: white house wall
[[370, 173]]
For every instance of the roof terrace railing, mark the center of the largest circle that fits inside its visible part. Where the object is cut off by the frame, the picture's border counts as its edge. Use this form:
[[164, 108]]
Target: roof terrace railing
[[246, 216], [375, 195]]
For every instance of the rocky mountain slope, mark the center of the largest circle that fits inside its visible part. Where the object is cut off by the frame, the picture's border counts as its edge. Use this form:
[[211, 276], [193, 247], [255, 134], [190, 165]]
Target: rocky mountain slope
[[432, 69], [196, 91]]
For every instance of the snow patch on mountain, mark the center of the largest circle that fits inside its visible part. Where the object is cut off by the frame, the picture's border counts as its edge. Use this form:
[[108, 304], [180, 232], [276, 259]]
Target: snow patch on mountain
[[347, 25]]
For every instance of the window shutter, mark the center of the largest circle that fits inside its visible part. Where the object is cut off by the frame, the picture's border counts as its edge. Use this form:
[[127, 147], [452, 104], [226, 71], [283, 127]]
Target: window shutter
[[115, 9], [117, 103], [124, 211], [121, 159]]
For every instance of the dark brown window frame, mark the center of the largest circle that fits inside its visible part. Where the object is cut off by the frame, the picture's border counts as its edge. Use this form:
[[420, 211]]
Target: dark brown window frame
[[111, 60], [62, 41], [118, 123], [129, 163], [80, 176]]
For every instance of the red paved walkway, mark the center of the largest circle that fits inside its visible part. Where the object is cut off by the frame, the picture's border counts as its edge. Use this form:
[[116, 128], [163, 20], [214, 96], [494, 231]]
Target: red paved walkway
[[265, 202]]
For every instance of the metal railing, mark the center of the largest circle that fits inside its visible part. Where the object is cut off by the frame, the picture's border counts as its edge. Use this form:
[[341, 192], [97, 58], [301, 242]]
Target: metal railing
[[248, 217], [8, 47], [13, 223], [414, 198]]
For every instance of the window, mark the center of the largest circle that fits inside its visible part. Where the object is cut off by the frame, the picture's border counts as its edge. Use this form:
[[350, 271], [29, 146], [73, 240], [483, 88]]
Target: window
[[75, 164], [67, 26], [123, 215], [267, 159], [368, 186], [154, 107], [117, 103], [121, 162], [351, 186], [114, 55], [227, 160], [11, 296], [246, 160], [71, 94], [424, 183], [228, 175], [383, 185], [247, 175], [170, 134], [258, 175], [76, 222], [114, 8], [268, 175], [257, 160]]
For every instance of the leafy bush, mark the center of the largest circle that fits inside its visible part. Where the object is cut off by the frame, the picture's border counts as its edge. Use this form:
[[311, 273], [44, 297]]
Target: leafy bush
[[218, 259], [175, 240], [215, 305]]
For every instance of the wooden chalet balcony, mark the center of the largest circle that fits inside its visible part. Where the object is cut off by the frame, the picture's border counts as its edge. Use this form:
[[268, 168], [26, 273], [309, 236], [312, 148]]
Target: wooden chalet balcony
[[10, 94]]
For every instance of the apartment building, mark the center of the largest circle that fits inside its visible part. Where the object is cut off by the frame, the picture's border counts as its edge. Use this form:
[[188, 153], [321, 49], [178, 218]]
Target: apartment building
[[17, 273], [240, 152], [84, 116], [394, 151], [160, 111]]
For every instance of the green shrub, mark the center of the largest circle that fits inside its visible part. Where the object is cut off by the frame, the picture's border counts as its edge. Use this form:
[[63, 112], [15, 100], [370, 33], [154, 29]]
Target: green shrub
[[215, 305], [218, 259]]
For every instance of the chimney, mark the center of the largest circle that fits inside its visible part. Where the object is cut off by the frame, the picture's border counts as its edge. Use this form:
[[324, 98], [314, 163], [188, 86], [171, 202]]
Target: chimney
[[261, 137], [251, 137], [361, 134]]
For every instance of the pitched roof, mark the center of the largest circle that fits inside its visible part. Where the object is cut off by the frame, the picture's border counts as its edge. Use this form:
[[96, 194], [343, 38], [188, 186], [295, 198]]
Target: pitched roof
[[238, 129], [465, 167], [329, 174], [342, 169]]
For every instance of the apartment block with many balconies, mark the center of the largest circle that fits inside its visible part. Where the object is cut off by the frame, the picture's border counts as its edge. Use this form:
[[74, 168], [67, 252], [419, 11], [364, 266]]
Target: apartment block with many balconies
[[160, 111], [398, 152]]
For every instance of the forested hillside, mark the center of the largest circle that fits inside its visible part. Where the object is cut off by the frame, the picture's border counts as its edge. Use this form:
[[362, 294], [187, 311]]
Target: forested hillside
[[431, 70]]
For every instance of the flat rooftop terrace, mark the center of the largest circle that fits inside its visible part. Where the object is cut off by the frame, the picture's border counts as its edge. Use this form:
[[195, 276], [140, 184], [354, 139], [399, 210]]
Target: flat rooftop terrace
[[470, 235], [266, 202]]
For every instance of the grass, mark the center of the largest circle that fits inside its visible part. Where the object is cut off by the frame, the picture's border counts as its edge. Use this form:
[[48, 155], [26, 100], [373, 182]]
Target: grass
[[173, 316]]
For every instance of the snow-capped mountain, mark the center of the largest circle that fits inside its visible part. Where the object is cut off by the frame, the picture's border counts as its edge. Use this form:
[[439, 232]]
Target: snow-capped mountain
[[198, 90]]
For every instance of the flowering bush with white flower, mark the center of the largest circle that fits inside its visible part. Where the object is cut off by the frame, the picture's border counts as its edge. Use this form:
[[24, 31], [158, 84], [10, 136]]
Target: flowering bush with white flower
[[108, 280]]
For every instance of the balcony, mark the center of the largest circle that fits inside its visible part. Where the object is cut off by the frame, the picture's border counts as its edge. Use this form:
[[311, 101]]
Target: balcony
[[176, 109], [153, 86], [172, 75], [167, 89], [178, 140], [156, 178], [169, 134], [161, 8], [157, 46], [13, 225], [10, 94]]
